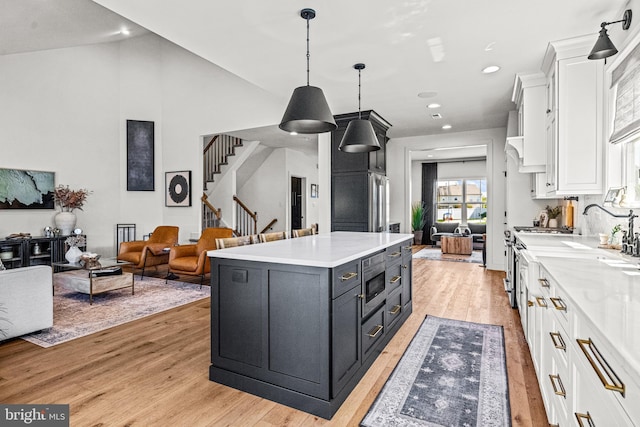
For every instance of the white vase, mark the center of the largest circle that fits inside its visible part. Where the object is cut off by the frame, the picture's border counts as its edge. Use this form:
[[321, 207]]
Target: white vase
[[73, 255], [65, 222], [553, 223]]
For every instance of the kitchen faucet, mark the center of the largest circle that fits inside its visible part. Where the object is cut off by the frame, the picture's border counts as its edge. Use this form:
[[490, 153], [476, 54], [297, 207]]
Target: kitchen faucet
[[629, 248]]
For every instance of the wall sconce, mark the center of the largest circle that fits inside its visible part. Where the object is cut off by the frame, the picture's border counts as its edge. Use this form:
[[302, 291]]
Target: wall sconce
[[604, 48]]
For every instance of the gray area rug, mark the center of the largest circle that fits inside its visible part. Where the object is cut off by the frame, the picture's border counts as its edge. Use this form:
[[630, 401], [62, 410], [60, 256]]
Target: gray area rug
[[74, 317], [436, 254], [453, 373]]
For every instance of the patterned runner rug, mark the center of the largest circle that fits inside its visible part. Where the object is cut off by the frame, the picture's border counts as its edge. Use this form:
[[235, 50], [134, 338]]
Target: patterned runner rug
[[453, 373], [74, 317]]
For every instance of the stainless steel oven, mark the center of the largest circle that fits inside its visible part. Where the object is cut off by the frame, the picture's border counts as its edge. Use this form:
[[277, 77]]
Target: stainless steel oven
[[373, 269]]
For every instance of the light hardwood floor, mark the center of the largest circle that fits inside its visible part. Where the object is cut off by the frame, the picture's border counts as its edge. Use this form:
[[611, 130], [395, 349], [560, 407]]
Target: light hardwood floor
[[154, 371]]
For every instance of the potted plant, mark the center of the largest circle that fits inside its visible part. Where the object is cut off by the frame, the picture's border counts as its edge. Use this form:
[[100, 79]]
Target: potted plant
[[417, 221], [68, 200], [553, 214]]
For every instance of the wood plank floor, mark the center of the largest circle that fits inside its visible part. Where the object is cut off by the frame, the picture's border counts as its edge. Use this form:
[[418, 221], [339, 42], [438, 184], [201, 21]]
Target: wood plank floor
[[154, 371]]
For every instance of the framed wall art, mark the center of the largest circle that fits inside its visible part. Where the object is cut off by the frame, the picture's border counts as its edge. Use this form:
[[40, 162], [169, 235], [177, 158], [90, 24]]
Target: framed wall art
[[26, 189], [178, 188], [140, 155]]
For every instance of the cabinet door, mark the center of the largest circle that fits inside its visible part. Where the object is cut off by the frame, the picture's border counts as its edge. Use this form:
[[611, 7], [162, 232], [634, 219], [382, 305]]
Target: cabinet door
[[580, 157], [550, 184], [11, 253], [346, 338], [349, 202], [346, 162], [406, 273]]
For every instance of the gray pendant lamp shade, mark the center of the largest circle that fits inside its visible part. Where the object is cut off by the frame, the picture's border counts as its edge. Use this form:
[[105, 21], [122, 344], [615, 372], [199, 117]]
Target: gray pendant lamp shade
[[359, 136], [308, 111], [604, 47]]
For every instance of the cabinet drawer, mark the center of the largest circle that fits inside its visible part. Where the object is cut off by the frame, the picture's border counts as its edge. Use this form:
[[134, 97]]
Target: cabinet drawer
[[393, 277], [345, 277], [372, 332], [558, 303], [393, 255], [394, 307]]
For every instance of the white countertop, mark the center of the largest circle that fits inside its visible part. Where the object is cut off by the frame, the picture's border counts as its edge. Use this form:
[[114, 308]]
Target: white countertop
[[320, 250], [602, 284]]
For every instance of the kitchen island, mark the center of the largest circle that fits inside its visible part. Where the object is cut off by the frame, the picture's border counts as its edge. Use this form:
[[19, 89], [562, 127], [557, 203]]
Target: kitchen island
[[299, 321]]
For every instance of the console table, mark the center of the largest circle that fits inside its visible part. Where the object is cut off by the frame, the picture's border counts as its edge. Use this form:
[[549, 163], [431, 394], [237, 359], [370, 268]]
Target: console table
[[290, 321]]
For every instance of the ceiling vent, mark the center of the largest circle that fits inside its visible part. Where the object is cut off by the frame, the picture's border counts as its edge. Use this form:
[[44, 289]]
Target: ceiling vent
[[436, 116]]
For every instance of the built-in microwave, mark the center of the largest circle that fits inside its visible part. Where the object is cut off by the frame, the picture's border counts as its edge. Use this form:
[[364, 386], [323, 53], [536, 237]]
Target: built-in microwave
[[373, 269]]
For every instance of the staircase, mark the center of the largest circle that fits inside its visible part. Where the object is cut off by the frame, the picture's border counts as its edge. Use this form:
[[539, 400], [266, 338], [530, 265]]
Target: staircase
[[216, 154]]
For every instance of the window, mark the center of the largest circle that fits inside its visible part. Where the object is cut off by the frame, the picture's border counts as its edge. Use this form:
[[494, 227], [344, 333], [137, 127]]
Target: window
[[462, 198]]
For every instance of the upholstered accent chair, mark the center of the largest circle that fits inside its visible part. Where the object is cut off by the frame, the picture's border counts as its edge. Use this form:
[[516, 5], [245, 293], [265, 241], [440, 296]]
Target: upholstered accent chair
[[270, 237], [191, 260], [152, 252]]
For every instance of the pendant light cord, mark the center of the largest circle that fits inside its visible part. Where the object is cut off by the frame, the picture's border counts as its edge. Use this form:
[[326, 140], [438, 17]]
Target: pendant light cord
[[359, 83], [308, 56]]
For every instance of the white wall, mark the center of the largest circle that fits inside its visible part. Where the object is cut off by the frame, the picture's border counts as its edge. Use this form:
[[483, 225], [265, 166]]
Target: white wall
[[65, 110], [401, 189]]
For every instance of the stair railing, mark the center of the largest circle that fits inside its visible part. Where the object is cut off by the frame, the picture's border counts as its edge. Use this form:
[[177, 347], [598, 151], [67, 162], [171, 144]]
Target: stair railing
[[269, 226], [210, 215], [246, 220]]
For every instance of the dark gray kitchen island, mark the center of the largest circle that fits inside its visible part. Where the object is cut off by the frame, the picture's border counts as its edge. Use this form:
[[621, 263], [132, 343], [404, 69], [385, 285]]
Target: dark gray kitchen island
[[299, 321]]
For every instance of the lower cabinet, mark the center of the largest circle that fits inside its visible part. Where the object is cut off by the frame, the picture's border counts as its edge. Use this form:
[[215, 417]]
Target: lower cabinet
[[346, 350], [33, 251]]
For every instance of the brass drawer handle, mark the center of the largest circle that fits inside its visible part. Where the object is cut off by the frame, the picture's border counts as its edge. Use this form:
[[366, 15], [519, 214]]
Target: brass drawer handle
[[348, 276], [541, 302], [530, 303], [408, 248], [396, 309], [609, 379], [580, 417], [559, 389], [558, 303], [394, 279], [558, 342], [544, 283], [405, 266], [375, 331], [395, 254]]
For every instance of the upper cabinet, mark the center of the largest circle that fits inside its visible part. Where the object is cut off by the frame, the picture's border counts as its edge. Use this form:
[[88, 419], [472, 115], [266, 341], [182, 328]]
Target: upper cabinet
[[529, 95], [574, 120]]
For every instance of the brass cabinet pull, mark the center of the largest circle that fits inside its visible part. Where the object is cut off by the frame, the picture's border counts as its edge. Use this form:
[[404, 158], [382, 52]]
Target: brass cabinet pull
[[609, 379], [395, 254], [558, 342], [544, 283], [530, 303], [361, 296], [375, 331], [396, 309], [394, 279], [559, 389], [541, 302], [558, 303], [405, 266], [408, 248], [348, 276], [587, 417]]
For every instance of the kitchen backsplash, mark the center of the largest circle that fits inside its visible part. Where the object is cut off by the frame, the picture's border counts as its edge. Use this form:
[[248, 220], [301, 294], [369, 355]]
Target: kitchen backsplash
[[597, 221]]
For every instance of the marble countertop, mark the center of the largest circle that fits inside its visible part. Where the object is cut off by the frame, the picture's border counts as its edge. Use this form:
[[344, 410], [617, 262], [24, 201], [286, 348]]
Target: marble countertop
[[320, 250], [602, 284]]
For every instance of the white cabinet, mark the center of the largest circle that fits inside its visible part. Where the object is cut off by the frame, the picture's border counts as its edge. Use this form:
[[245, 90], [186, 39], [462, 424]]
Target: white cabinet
[[574, 132], [529, 95]]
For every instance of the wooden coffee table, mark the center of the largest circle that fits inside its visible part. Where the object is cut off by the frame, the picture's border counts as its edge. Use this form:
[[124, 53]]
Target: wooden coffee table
[[461, 245], [77, 278]]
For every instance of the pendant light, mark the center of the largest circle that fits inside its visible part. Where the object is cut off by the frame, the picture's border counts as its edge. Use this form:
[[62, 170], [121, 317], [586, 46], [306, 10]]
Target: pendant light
[[359, 136], [604, 47], [308, 111]]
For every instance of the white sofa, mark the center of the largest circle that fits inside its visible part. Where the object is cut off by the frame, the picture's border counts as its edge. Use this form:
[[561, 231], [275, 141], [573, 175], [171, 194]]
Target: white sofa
[[26, 300]]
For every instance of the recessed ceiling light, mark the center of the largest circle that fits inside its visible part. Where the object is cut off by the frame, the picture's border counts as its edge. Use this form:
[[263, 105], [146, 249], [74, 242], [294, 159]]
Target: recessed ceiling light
[[490, 46], [490, 69], [429, 155], [125, 32], [434, 105], [293, 133], [445, 127], [427, 94]]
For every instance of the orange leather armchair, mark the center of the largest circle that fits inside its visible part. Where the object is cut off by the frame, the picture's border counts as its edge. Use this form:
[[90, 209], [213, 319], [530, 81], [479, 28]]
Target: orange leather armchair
[[148, 253], [191, 260]]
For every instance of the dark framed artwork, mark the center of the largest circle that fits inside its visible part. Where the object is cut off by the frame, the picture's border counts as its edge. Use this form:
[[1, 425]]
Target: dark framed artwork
[[140, 155], [26, 189], [178, 188]]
